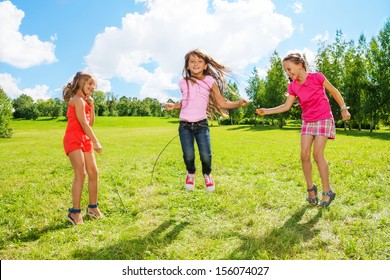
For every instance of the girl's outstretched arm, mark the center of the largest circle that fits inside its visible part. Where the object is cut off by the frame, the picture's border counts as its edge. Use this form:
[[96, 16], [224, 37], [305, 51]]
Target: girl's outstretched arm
[[172, 106], [279, 109], [223, 103]]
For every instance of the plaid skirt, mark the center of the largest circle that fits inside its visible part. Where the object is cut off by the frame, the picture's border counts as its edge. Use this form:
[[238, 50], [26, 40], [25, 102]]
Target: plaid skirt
[[325, 128]]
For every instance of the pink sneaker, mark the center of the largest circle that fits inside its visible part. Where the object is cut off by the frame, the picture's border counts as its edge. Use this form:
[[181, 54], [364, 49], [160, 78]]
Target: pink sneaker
[[209, 182], [190, 181]]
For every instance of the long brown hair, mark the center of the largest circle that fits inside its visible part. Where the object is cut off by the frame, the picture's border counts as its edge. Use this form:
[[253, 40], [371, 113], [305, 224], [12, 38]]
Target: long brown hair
[[70, 89], [214, 69]]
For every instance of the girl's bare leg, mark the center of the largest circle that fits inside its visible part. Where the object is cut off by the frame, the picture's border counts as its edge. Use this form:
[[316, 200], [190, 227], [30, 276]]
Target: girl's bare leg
[[93, 180], [306, 143], [78, 163], [322, 164]]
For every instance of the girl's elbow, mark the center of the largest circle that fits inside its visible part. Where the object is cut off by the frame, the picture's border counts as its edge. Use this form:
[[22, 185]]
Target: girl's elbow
[[84, 125]]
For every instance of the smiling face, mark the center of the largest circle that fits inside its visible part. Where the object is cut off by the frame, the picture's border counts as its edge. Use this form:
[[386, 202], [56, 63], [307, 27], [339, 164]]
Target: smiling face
[[89, 86], [196, 65], [292, 69], [295, 67]]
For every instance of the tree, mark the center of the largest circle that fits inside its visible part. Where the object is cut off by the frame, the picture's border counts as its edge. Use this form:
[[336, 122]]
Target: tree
[[235, 115], [256, 93], [111, 102], [155, 107], [50, 108], [276, 87], [5, 115], [101, 108], [380, 54], [25, 107], [330, 61], [372, 106], [356, 80], [123, 106]]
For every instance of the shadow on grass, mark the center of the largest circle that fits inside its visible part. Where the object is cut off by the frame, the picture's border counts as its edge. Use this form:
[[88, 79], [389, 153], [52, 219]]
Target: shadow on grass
[[32, 234], [355, 133], [264, 128], [146, 247], [175, 121], [381, 135], [281, 242]]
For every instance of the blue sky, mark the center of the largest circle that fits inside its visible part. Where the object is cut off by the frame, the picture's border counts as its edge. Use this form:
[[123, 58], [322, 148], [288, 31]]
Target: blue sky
[[136, 48]]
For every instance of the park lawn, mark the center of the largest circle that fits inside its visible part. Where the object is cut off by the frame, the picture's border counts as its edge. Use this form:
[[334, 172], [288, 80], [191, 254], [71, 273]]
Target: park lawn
[[258, 210]]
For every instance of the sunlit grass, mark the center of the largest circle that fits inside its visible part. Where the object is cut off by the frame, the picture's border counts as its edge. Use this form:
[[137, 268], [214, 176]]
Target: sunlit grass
[[258, 210]]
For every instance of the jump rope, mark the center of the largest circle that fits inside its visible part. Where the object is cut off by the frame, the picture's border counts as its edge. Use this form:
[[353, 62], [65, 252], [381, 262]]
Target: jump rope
[[155, 163], [151, 175], [116, 190]]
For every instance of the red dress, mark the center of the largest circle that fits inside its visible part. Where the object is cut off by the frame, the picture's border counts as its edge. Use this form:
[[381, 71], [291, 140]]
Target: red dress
[[75, 137]]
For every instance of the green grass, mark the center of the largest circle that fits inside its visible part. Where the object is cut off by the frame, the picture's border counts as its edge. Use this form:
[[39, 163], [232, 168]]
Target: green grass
[[258, 210]]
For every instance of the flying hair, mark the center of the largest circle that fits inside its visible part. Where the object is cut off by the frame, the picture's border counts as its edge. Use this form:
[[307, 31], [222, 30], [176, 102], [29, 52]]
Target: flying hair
[[217, 71], [70, 89]]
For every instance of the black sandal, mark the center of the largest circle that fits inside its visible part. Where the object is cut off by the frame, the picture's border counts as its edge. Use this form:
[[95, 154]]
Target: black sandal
[[93, 214], [332, 196], [74, 211], [313, 201]]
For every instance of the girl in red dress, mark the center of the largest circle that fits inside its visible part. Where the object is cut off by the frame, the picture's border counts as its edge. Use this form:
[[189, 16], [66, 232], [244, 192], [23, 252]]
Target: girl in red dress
[[80, 142]]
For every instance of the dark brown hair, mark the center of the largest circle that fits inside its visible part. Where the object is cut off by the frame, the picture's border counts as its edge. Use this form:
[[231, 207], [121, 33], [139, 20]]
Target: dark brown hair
[[296, 58]]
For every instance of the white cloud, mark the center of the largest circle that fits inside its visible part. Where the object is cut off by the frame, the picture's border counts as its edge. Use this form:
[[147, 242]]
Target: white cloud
[[38, 92], [149, 48], [103, 85], [262, 71], [321, 37], [297, 7], [19, 50], [155, 86], [10, 86], [301, 28]]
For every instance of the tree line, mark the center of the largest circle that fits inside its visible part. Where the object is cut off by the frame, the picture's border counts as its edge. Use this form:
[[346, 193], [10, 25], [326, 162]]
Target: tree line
[[361, 72]]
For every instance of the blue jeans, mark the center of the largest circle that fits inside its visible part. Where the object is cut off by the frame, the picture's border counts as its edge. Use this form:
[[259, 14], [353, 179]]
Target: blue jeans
[[200, 132]]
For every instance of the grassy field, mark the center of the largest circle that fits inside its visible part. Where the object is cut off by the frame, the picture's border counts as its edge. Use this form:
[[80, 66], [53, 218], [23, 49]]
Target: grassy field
[[258, 210]]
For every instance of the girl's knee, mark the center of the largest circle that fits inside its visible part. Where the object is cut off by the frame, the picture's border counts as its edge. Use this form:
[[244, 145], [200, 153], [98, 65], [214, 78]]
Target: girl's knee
[[93, 174], [205, 158], [80, 175], [188, 158], [318, 157], [305, 157]]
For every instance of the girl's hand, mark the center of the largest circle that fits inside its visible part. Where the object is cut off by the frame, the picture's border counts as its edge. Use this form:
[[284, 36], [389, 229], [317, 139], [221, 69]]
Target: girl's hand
[[346, 116], [260, 111], [169, 106], [243, 102], [89, 100], [97, 147]]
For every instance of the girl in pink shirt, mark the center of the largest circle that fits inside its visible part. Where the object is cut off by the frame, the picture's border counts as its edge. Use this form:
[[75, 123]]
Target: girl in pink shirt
[[318, 123], [201, 87]]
